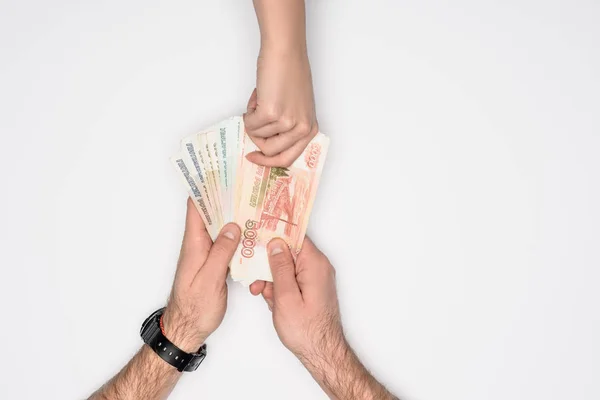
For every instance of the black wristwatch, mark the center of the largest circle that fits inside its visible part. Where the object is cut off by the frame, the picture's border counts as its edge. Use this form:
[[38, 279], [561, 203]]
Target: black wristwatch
[[153, 337]]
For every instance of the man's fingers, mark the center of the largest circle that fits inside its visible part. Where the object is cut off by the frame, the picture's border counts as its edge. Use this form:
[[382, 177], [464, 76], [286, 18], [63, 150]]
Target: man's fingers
[[268, 294], [309, 247], [310, 257], [257, 287], [268, 291], [285, 286], [221, 252], [264, 288], [195, 230], [315, 274], [195, 247]]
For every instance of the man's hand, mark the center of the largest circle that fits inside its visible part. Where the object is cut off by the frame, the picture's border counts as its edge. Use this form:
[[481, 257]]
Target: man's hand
[[306, 316], [196, 308], [303, 300], [199, 296], [281, 117]]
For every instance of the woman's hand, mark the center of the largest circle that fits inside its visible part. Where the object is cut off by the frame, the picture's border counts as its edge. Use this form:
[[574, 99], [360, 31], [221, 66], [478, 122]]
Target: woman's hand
[[281, 116]]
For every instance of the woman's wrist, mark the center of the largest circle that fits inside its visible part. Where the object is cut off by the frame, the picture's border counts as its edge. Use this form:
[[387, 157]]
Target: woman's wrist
[[283, 44], [282, 24]]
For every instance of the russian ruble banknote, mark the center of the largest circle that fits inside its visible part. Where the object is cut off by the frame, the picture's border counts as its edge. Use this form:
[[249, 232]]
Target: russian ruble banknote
[[265, 202]]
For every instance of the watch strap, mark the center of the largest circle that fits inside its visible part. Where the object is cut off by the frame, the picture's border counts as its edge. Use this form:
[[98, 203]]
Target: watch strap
[[173, 355]]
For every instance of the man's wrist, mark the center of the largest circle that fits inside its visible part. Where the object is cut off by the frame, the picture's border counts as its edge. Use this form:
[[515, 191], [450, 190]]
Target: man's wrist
[[340, 373], [150, 359], [146, 376], [322, 358], [181, 331]]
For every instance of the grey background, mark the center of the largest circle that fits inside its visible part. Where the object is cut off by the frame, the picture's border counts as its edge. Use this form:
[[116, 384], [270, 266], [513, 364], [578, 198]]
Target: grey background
[[459, 202]]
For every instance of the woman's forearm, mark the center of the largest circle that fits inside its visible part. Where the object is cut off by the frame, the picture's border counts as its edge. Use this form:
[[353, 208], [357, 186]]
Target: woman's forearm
[[282, 23]]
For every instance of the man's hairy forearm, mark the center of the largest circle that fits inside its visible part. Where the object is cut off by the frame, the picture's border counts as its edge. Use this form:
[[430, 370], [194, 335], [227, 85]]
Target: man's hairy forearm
[[146, 376], [341, 374]]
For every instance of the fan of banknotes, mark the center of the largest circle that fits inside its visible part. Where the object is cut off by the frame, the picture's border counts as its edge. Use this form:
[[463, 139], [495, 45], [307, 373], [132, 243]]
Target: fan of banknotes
[[265, 202]]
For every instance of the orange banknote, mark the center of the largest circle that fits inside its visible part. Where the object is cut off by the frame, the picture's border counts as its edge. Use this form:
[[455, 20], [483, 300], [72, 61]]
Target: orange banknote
[[274, 202], [265, 202]]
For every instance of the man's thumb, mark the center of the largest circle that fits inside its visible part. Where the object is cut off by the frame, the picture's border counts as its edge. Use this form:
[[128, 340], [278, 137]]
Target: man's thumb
[[283, 270]]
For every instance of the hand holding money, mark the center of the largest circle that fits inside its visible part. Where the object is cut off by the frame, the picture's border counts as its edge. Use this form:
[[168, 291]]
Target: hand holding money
[[199, 296], [265, 202], [281, 116]]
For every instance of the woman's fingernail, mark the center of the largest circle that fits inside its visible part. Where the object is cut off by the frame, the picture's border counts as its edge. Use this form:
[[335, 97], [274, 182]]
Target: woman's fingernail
[[276, 250], [229, 235]]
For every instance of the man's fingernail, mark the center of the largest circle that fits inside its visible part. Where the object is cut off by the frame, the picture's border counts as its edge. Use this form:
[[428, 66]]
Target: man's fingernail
[[229, 235], [276, 250]]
